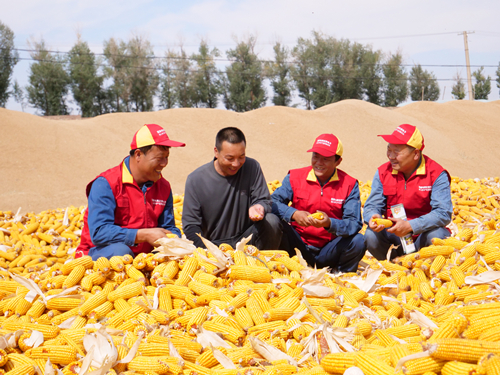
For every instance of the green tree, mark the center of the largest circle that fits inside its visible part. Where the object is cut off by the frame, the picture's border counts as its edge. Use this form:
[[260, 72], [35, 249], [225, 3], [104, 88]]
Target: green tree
[[328, 70], [206, 82], [422, 80], [8, 59], [18, 94], [302, 70], [395, 82], [498, 76], [118, 92], [482, 87], [48, 81], [168, 97], [245, 90], [458, 89], [141, 78], [86, 83], [184, 87], [279, 73]]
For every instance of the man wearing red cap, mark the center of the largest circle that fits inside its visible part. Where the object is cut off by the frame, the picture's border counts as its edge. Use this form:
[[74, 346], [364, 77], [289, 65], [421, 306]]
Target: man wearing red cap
[[130, 206], [333, 240], [417, 182]]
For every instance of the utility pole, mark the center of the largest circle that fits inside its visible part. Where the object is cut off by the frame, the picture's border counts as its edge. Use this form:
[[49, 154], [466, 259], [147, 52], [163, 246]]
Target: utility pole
[[469, 80]]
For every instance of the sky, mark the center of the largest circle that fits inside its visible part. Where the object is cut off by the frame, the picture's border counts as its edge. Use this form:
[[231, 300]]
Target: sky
[[427, 32]]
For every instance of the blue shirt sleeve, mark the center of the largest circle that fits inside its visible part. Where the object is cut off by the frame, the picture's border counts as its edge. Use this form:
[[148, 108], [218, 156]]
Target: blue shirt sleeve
[[441, 205], [101, 218], [167, 219], [376, 202], [351, 223], [281, 197]]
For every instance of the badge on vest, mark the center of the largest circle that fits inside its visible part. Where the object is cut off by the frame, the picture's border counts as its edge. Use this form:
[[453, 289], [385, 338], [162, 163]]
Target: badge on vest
[[337, 201], [424, 188], [159, 202]]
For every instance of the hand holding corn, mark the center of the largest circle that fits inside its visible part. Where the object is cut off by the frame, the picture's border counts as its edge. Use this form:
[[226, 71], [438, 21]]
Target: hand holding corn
[[379, 221], [256, 212], [319, 220]]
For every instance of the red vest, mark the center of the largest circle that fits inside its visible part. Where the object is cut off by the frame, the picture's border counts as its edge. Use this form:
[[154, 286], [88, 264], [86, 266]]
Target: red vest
[[415, 193], [308, 195], [134, 209]]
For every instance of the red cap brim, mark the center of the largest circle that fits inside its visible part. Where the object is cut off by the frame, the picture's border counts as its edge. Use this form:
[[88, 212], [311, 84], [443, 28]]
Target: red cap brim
[[392, 139], [323, 152], [170, 143]]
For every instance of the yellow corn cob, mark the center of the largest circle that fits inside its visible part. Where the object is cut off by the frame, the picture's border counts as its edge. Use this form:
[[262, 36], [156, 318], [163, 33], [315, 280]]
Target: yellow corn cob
[[316, 215], [252, 273], [385, 222], [58, 354], [462, 349]]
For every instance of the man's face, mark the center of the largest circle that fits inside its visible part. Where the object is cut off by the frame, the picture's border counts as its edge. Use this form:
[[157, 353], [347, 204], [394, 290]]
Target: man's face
[[230, 158], [402, 158], [324, 166], [151, 164]]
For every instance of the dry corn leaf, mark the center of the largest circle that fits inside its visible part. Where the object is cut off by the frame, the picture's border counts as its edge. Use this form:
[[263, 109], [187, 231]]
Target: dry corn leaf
[[175, 248], [222, 259], [105, 352], [269, 352], [240, 246], [208, 338], [420, 319], [483, 278], [35, 339], [223, 359]]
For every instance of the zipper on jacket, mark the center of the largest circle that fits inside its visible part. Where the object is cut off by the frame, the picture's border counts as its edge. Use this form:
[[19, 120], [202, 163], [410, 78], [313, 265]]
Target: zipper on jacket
[[321, 190]]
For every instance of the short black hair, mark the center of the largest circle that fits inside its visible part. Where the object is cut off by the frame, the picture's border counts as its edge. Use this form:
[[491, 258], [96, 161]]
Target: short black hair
[[146, 149], [337, 157], [231, 135]]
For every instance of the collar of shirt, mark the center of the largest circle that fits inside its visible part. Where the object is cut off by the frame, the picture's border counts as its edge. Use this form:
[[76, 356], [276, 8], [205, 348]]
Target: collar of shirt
[[144, 186]]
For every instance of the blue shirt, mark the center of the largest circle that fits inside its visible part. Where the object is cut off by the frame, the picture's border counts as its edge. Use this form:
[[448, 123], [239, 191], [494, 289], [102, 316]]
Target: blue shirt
[[101, 218], [350, 223], [441, 205]]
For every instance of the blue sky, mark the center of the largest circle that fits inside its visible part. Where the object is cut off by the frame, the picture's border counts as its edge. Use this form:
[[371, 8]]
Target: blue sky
[[388, 25]]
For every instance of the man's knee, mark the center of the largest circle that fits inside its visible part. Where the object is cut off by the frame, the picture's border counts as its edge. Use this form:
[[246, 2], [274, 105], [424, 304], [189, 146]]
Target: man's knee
[[358, 245], [270, 231], [426, 237], [376, 244]]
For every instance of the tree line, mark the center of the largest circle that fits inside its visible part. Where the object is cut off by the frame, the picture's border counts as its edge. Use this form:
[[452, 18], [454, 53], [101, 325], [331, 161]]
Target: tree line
[[128, 77]]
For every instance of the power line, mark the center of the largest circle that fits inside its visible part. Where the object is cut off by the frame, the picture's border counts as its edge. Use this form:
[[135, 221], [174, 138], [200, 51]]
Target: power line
[[225, 72], [173, 57]]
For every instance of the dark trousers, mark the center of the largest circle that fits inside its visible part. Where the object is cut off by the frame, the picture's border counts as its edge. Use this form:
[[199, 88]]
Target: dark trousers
[[342, 253], [266, 234], [378, 243]]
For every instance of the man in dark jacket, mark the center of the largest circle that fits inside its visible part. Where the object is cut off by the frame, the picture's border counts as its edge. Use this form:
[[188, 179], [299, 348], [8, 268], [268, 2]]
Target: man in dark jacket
[[228, 198]]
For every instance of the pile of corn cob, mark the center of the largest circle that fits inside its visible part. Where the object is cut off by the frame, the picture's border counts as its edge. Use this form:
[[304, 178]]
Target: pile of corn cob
[[244, 311]]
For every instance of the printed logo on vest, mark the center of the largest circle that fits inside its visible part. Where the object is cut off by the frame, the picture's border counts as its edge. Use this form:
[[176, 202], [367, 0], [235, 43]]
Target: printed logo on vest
[[337, 201], [159, 202], [425, 188]]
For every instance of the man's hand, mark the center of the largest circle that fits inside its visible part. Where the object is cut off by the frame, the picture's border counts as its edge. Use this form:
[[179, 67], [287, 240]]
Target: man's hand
[[323, 223], [256, 212], [301, 218], [400, 228], [373, 226], [150, 235]]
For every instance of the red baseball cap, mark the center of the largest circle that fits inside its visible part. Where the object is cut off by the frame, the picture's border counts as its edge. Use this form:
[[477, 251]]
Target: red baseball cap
[[327, 145], [152, 134], [406, 134]]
